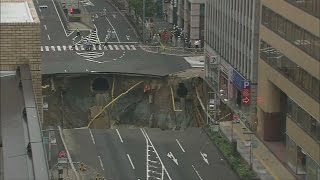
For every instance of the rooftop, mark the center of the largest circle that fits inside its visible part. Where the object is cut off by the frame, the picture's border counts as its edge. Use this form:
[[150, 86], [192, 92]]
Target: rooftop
[[19, 130], [15, 12]]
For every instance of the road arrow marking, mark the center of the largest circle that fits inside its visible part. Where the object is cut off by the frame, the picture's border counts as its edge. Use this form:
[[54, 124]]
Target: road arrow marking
[[175, 160], [204, 157]]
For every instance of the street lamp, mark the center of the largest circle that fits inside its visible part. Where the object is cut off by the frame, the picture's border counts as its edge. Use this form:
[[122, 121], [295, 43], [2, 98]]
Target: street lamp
[[251, 152]]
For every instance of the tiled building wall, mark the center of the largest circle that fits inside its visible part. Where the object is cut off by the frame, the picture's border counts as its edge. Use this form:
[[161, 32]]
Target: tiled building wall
[[20, 44]]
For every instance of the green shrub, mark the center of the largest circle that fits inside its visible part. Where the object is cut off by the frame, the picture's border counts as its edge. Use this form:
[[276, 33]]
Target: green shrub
[[235, 160]]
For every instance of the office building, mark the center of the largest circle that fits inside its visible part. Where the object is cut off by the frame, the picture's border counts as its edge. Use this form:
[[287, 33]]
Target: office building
[[288, 107], [231, 55]]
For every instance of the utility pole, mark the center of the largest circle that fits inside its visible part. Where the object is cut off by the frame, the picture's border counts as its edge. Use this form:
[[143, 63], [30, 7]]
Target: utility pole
[[143, 20]]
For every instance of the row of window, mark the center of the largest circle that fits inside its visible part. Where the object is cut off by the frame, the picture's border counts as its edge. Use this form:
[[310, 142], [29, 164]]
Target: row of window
[[310, 6], [303, 119], [301, 78], [228, 36], [291, 32]]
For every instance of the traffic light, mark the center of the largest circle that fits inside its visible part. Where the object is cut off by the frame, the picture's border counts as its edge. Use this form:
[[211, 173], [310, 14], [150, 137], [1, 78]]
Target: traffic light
[[71, 10]]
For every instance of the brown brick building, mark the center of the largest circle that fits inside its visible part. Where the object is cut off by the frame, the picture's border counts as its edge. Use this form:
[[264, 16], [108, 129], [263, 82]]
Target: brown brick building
[[20, 40]]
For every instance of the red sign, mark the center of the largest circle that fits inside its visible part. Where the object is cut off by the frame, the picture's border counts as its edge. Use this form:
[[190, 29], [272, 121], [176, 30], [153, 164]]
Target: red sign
[[62, 154], [246, 93]]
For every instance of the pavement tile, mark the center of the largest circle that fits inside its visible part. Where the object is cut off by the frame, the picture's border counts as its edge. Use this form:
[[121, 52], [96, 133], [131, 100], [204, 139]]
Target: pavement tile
[[265, 163]]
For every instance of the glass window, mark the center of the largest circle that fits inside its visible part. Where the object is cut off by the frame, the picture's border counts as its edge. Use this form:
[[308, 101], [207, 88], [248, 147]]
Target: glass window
[[292, 154], [312, 169], [291, 32], [315, 90]]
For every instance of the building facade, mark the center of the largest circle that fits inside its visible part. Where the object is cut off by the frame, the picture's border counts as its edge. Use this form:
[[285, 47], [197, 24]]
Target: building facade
[[289, 81], [20, 41], [188, 15], [231, 54]]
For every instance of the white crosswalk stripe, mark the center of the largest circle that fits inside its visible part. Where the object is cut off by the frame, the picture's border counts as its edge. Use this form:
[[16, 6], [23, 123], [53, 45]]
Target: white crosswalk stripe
[[133, 48], [89, 55], [64, 48]]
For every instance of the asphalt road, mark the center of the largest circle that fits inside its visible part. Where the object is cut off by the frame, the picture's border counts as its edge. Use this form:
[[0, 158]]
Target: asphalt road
[[118, 57], [134, 154]]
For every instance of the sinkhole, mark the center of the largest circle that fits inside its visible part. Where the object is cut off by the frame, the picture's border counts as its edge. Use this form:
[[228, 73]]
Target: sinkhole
[[100, 84]]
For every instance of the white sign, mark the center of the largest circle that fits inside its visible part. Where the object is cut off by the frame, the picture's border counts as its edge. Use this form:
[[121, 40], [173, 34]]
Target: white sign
[[62, 160]]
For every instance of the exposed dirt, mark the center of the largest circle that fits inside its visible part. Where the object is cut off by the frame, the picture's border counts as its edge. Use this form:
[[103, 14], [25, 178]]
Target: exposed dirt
[[73, 103]]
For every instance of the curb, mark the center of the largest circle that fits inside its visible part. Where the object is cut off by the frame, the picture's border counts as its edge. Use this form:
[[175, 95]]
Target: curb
[[170, 54]]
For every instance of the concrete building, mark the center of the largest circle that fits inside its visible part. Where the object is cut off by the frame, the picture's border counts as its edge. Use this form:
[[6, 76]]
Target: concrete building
[[20, 40], [231, 55], [188, 15], [288, 82]]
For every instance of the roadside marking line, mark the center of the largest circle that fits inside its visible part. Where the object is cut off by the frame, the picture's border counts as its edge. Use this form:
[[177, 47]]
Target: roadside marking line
[[119, 135], [147, 153], [94, 142], [180, 146], [164, 168], [113, 29], [64, 29], [130, 161], [48, 37], [197, 173], [45, 27], [101, 162]]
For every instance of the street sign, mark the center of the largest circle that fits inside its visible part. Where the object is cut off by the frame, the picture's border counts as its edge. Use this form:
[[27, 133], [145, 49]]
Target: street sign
[[62, 154], [62, 160], [45, 140]]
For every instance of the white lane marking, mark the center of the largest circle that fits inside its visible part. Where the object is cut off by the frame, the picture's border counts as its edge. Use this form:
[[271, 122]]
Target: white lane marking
[[64, 29], [101, 162], [97, 33], [119, 135], [70, 48], [134, 48], [113, 28], [105, 48], [110, 47], [48, 37], [94, 48], [64, 48], [180, 145], [58, 48], [53, 48], [127, 46], [45, 27], [116, 47], [147, 154], [130, 161], [39, 9], [76, 47], [47, 48], [121, 47], [41, 48], [100, 49], [81, 47], [204, 157], [94, 142], [128, 42], [197, 172], [157, 154]]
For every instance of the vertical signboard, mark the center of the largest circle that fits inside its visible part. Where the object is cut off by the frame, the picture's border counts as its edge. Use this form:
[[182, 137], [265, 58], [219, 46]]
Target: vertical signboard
[[246, 93]]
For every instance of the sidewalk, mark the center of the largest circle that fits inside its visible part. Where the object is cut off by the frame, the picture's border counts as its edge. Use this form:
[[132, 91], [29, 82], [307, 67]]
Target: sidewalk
[[265, 164]]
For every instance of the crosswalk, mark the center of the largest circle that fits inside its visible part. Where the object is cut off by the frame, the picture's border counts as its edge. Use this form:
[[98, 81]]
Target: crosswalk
[[110, 47], [92, 37]]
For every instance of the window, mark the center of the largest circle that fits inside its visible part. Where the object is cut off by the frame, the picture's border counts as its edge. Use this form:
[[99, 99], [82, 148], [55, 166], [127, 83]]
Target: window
[[310, 6], [301, 78], [299, 37]]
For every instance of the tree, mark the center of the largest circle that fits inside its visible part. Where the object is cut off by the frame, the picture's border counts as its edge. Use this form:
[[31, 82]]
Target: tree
[[137, 6]]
